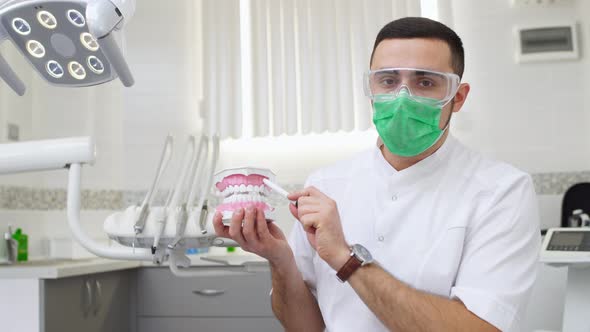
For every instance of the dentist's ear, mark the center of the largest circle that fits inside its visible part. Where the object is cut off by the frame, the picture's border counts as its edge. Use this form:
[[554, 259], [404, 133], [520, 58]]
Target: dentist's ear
[[460, 96]]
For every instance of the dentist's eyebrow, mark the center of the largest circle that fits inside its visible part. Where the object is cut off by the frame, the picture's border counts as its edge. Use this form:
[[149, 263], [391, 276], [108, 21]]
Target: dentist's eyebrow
[[385, 72], [427, 74]]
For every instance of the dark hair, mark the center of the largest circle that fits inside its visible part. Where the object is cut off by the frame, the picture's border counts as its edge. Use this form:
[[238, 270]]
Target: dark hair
[[420, 27]]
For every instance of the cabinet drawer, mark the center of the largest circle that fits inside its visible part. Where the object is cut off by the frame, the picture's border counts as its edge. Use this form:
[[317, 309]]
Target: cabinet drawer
[[163, 324], [90, 303], [160, 293]]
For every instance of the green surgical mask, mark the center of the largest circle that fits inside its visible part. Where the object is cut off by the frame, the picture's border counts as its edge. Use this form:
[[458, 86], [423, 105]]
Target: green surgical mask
[[407, 126]]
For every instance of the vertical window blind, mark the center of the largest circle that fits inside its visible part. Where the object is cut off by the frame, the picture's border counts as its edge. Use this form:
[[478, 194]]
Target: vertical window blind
[[304, 68]]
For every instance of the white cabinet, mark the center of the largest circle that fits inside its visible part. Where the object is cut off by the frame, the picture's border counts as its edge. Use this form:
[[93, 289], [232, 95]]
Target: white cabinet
[[222, 299]]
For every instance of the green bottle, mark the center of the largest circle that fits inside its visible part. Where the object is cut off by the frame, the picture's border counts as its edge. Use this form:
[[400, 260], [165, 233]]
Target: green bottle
[[23, 245]]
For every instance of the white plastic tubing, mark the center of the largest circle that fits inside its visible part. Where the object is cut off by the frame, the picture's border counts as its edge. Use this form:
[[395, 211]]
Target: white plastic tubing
[[86, 241]]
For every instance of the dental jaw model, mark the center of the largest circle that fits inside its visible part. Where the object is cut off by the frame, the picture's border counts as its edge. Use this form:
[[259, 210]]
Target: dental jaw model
[[243, 187]]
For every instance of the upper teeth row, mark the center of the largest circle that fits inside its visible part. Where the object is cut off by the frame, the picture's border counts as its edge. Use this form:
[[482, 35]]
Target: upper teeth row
[[245, 198], [243, 189]]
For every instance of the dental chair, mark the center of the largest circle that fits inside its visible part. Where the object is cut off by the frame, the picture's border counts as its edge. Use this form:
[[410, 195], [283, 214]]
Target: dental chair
[[576, 197]]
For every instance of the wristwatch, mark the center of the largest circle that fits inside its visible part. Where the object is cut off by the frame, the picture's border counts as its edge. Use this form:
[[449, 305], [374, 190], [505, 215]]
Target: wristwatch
[[359, 256]]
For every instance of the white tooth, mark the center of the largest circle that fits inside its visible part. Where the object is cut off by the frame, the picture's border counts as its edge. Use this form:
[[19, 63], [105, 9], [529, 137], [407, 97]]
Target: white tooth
[[242, 188], [250, 188], [234, 189], [258, 189], [257, 199]]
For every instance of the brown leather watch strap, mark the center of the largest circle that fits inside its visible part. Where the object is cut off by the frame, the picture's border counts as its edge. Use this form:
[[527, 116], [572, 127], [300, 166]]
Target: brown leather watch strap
[[351, 265]]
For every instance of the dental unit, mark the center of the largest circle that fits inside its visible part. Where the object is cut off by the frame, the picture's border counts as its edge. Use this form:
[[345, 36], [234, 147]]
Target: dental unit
[[70, 43], [146, 232]]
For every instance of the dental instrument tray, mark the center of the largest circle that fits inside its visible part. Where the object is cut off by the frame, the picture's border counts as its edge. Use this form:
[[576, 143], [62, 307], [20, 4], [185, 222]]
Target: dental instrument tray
[[183, 221]]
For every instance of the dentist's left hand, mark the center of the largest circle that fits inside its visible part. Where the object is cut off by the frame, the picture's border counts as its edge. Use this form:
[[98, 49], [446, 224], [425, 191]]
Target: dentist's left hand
[[256, 235]]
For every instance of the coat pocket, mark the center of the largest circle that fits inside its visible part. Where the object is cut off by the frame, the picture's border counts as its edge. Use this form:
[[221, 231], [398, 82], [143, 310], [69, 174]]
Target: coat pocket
[[439, 270]]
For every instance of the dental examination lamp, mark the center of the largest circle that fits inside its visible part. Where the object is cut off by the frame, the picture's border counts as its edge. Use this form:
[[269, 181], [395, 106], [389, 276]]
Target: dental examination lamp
[[69, 43]]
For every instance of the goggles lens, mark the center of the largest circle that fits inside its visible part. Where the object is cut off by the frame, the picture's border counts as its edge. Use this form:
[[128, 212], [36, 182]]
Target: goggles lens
[[435, 86]]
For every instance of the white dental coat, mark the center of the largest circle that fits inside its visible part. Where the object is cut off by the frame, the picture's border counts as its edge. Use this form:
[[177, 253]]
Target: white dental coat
[[456, 224]]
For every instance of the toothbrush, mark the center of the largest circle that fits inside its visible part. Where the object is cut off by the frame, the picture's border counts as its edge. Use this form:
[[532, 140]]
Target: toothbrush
[[278, 189]]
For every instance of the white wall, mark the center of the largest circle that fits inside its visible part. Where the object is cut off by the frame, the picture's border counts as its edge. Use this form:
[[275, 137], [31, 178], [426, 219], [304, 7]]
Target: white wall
[[14, 109], [532, 115], [164, 42]]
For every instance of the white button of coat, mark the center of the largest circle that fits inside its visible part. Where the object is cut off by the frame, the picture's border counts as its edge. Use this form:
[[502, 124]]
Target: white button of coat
[[381, 238], [394, 198]]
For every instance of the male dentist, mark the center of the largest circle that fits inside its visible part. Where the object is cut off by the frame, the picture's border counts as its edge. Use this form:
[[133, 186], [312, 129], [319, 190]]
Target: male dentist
[[419, 233]]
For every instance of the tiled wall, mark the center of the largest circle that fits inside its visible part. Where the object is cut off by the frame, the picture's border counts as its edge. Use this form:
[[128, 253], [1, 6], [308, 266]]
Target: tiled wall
[[36, 199]]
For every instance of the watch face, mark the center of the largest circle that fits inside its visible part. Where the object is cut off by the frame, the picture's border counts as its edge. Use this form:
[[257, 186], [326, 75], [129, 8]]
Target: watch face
[[362, 253]]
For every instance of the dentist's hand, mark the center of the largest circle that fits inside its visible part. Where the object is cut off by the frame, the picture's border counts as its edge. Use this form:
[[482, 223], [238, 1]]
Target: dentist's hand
[[256, 235], [319, 216]]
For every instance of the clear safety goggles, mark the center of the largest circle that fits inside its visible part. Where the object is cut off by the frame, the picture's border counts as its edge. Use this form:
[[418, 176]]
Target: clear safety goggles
[[426, 85]]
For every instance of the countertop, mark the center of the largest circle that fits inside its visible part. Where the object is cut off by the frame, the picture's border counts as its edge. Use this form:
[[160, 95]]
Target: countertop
[[61, 268]]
